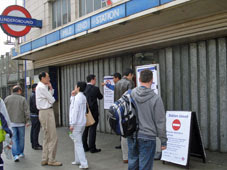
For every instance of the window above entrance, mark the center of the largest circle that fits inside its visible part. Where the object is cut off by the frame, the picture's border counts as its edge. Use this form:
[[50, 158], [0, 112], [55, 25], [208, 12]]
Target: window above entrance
[[88, 6], [61, 13]]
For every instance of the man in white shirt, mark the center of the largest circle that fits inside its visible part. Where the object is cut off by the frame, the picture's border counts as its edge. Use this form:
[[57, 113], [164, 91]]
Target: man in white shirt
[[44, 103]]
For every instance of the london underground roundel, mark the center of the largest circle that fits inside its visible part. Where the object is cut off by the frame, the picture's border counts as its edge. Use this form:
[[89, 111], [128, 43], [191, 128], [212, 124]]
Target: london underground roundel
[[16, 30]]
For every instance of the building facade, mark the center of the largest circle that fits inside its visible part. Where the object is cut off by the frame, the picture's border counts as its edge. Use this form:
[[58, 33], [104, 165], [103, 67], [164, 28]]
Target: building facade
[[187, 38], [11, 73]]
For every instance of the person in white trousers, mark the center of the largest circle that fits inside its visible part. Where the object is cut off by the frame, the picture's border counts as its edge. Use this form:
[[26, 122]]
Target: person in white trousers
[[77, 118]]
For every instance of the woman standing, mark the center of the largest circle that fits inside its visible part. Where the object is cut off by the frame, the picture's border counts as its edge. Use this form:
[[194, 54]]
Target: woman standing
[[77, 116]]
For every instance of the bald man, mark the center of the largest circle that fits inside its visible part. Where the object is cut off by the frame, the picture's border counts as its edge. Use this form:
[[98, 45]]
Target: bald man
[[19, 112]]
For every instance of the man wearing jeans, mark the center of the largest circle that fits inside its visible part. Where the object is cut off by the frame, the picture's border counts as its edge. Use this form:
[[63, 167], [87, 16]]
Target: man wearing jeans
[[19, 115], [152, 123], [120, 88]]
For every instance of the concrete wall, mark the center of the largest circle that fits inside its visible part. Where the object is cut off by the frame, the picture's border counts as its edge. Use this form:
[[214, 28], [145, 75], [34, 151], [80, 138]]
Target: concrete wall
[[193, 77]]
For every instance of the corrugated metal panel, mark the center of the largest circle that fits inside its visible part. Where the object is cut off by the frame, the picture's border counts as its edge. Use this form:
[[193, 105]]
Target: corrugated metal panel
[[200, 85], [193, 77], [222, 91]]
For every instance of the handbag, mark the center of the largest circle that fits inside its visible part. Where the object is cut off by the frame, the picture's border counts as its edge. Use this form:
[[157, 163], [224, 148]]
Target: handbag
[[90, 119]]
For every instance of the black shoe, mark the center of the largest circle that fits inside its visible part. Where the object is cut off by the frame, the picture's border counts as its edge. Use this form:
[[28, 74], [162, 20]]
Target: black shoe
[[86, 149], [118, 147], [38, 148], [95, 150]]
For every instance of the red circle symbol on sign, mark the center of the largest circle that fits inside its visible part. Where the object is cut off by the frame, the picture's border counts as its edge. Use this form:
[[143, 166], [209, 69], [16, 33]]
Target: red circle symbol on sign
[[176, 124], [13, 30]]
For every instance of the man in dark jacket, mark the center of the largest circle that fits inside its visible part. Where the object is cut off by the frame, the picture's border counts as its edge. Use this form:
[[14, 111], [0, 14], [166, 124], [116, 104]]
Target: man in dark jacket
[[34, 136], [92, 93]]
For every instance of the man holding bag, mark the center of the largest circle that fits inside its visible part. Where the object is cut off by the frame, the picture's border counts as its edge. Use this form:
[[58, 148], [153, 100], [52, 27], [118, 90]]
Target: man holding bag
[[92, 93]]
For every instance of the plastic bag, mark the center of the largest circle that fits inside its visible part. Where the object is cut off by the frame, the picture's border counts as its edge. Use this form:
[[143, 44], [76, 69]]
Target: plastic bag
[[7, 147], [71, 135]]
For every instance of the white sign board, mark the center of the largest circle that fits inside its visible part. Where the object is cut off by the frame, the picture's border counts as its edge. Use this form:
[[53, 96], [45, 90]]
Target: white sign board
[[108, 92], [28, 82], [36, 78], [178, 133], [156, 79]]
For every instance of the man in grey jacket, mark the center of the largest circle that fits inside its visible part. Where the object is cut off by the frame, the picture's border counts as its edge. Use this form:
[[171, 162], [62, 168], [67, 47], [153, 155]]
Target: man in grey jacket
[[19, 115], [152, 123], [121, 87]]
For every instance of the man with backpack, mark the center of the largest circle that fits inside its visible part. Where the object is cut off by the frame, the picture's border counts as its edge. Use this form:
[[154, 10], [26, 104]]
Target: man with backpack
[[151, 123], [121, 87]]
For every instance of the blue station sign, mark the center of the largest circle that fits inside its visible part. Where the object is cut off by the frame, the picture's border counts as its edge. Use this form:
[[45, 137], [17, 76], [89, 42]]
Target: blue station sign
[[108, 16]]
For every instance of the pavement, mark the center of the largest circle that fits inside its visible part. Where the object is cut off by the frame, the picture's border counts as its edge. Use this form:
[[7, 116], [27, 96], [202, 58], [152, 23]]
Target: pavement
[[108, 159]]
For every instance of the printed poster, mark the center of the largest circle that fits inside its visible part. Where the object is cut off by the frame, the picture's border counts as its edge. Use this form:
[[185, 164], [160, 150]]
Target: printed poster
[[156, 80], [108, 91]]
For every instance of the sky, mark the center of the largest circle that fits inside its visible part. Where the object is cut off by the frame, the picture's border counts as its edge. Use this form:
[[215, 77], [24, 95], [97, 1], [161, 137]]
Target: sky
[[3, 37]]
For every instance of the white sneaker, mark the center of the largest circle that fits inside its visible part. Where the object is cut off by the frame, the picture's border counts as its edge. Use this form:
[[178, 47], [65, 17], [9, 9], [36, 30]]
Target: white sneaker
[[21, 155], [83, 167], [16, 158], [75, 163]]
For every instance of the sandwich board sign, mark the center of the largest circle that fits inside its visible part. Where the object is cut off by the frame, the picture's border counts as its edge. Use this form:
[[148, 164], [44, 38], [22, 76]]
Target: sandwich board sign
[[156, 78], [184, 138]]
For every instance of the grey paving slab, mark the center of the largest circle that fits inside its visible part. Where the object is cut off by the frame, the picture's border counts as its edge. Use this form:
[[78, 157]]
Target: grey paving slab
[[108, 159]]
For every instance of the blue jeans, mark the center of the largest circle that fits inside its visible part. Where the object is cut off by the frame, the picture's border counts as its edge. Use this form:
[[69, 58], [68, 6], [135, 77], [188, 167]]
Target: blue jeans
[[18, 140], [141, 154]]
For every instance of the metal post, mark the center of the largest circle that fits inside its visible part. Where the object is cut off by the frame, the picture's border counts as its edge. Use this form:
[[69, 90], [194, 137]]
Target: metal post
[[1, 75], [25, 70]]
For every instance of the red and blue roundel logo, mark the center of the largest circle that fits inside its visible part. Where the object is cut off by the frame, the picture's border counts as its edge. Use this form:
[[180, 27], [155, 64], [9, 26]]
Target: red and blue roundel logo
[[16, 30]]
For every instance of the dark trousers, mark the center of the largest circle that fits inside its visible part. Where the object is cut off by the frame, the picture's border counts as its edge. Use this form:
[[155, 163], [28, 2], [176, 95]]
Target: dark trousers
[[34, 136], [1, 163], [91, 132]]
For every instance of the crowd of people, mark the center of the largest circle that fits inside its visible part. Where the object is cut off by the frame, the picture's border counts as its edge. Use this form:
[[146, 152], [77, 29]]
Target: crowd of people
[[138, 153]]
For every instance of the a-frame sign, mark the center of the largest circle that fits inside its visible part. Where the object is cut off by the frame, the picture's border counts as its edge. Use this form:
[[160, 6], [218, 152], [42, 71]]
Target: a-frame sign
[[184, 138]]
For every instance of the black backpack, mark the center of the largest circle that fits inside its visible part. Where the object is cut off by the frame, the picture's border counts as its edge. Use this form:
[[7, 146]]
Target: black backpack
[[122, 116]]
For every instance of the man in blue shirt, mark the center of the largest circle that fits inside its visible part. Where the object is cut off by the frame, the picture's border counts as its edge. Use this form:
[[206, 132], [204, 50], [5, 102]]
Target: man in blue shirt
[[116, 78]]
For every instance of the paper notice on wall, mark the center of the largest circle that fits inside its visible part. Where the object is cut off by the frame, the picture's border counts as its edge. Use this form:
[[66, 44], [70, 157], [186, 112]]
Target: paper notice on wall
[[155, 70], [108, 92], [178, 125]]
